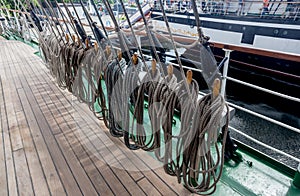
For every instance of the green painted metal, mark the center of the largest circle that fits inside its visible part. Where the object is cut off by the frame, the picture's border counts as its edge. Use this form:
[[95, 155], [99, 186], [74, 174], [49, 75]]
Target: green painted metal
[[259, 178], [296, 180], [33, 44], [286, 170]]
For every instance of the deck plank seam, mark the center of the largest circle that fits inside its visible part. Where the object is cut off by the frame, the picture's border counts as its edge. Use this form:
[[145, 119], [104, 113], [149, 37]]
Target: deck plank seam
[[2, 134], [38, 152], [70, 93], [62, 133], [139, 179], [11, 178], [94, 119], [144, 174], [33, 143], [49, 128], [85, 151], [15, 76]]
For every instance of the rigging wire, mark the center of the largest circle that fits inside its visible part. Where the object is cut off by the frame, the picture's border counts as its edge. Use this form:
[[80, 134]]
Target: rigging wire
[[200, 120]]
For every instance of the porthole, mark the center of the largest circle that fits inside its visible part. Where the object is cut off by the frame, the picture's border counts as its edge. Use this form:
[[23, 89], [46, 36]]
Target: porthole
[[285, 32]]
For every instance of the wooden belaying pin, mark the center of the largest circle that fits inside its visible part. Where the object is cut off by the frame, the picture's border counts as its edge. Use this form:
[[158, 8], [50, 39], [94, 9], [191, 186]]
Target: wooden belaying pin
[[170, 70], [96, 46], [189, 76], [119, 55], [153, 66], [67, 38], [216, 87], [107, 50], [135, 58], [87, 44], [74, 38]]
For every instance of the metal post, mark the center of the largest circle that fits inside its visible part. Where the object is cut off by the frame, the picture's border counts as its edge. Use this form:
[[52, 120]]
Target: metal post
[[90, 7], [225, 70], [118, 12]]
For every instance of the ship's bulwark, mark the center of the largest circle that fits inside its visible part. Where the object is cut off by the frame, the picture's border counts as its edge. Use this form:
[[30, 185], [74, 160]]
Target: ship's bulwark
[[276, 74], [52, 144]]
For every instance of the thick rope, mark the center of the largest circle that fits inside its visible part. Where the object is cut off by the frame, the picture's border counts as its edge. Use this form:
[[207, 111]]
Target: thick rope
[[196, 160]]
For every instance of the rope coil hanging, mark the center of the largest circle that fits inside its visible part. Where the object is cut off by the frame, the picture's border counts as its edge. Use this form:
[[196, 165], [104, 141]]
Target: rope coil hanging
[[193, 154]]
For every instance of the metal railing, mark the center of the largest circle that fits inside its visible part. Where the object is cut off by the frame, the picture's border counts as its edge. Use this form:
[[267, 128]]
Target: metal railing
[[225, 77]]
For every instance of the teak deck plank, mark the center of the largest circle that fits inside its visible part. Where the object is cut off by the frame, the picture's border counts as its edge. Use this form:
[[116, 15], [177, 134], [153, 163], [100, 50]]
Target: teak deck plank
[[40, 186], [3, 179], [124, 177], [59, 161], [50, 144], [9, 161], [46, 163], [118, 187], [149, 188], [21, 169], [22, 173], [36, 171]]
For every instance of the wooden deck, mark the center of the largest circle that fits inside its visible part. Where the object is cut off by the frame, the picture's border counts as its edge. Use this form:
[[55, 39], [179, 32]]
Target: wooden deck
[[50, 144]]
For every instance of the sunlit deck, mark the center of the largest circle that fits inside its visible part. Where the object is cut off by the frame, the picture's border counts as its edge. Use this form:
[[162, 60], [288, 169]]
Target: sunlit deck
[[50, 144]]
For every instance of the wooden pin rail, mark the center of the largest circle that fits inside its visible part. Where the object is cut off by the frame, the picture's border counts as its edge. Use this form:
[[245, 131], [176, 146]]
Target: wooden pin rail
[[267, 53]]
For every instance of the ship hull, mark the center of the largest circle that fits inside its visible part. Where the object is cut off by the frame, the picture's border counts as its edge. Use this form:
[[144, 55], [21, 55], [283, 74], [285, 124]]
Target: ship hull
[[279, 37]]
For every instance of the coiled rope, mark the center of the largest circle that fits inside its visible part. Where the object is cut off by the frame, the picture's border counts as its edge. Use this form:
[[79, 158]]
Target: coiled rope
[[197, 159]]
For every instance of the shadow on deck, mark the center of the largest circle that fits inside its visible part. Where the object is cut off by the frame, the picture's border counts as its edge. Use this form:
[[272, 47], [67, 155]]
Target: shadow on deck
[[50, 144]]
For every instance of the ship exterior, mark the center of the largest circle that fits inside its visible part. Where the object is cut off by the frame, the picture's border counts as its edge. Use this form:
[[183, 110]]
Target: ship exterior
[[251, 32]]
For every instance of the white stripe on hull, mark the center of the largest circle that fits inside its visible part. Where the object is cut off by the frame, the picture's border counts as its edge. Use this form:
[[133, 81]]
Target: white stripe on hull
[[234, 38], [228, 21]]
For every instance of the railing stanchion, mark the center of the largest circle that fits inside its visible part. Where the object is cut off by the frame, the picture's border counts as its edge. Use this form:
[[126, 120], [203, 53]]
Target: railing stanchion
[[225, 70]]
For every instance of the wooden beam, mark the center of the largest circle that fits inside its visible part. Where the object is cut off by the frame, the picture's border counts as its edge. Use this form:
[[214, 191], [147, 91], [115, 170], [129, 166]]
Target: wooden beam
[[268, 53]]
